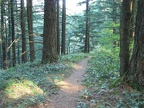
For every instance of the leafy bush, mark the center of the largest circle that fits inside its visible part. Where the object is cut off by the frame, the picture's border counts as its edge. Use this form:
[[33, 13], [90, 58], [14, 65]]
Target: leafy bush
[[105, 88], [103, 67]]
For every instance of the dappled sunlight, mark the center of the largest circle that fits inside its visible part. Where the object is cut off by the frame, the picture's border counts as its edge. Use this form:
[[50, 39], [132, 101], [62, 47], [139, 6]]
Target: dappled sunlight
[[76, 66], [71, 87], [68, 87], [20, 89]]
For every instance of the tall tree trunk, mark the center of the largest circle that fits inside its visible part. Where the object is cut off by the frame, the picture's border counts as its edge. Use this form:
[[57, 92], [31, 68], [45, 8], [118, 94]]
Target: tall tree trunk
[[114, 21], [49, 38], [58, 30], [124, 37], [3, 36], [133, 19], [30, 30], [114, 16], [6, 39], [63, 27], [24, 55], [86, 48], [17, 30], [13, 33], [136, 72], [9, 50]]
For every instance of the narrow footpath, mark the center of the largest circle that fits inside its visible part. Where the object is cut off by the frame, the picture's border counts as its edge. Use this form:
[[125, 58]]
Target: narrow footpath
[[69, 88]]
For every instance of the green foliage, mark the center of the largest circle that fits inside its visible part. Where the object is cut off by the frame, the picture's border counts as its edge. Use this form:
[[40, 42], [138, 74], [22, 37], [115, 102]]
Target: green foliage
[[38, 76], [37, 18], [81, 105], [28, 84], [105, 88], [103, 68], [109, 39], [73, 57], [131, 100]]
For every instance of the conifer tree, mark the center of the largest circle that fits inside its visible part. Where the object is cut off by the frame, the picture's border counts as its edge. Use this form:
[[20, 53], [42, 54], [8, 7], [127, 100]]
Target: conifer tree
[[49, 38]]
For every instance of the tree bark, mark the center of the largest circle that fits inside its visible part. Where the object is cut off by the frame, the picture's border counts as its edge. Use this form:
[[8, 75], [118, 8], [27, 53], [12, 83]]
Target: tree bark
[[86, 48], [58, 30], [133, 11], [3, 37], [63, 27], [124, 37], [13, 33], [49, 38], [30, 30], [9, 51], [24, 55], [136, 72]]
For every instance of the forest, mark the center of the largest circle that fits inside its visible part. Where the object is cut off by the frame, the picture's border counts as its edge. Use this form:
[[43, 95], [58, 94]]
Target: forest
[[54, 57]]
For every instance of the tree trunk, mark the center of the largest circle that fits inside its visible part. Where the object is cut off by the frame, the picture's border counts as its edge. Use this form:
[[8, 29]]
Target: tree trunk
[[114, 16], [124, 37], [3, 37], [17, 30], [9, 50], [133, 11], [86, 48], [13, 33], [6, 39], [58, 30], [136, 72], [24, 56], [49, 38], [30, 30], [63, 27]]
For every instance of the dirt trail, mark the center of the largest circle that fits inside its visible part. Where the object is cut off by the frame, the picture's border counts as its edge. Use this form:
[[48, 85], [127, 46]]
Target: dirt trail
[[69, 88]]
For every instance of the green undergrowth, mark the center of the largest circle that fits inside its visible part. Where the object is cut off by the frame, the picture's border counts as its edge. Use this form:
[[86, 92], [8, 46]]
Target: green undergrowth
[[105, 88], [31, 83], [73, 58]]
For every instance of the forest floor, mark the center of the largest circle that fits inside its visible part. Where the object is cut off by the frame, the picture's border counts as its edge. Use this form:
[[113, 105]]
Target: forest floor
[[67, 96], [69, 84]]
